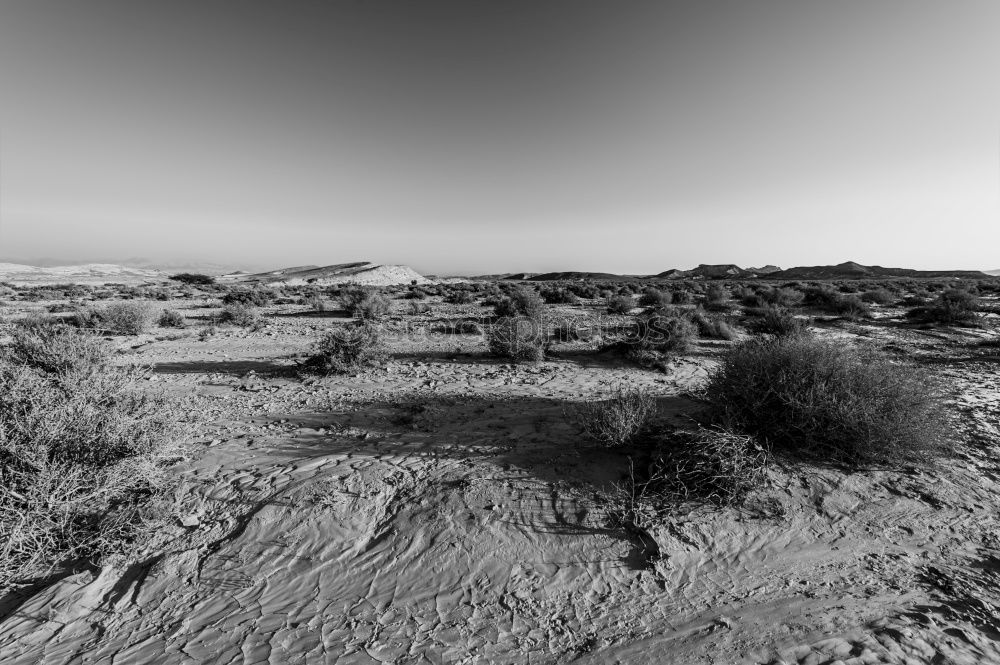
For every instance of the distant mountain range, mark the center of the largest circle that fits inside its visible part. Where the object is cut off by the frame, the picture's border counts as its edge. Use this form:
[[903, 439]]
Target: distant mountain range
[[847, 270], [374, 274]]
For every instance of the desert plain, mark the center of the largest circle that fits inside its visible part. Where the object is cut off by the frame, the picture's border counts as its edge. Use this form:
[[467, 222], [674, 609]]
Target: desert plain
[[443, 505]]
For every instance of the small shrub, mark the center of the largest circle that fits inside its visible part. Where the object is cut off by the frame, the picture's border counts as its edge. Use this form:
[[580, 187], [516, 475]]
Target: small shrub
[[667, 333], [516, 338], [620, 304], [655, 298], [459, 297], [417, 308], [171, 318], [776, 321], [556, 296], [365, 303], [315, 302], [682, 297], [851, 307], [522, 302], [707, 464], [347, 349], [120, 318], [617, 420], [952, 307], [776, 297], [878, 297], [827, 400], [717, 299], [712, 327], [240, 314]]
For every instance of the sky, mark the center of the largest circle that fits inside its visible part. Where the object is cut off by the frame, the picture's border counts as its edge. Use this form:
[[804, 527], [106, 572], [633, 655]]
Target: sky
[[473, 137]]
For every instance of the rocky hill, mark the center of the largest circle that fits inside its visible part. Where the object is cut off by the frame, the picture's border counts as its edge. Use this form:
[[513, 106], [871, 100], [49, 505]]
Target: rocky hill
[[361, 272]]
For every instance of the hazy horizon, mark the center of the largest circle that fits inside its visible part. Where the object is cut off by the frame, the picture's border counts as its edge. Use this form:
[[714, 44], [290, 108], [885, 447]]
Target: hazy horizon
[[482, 137]]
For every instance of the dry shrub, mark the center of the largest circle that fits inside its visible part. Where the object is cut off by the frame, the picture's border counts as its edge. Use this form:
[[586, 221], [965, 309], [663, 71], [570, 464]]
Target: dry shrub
[[171, 318], [82, 452], [120, 318], [828, 400], [347, 349], [365, 303], [878, 296], [615, 421], [240, 314], [315, 302], [256, 297], [520, 339], [670, 333], [952, 307], [620, 304], [417, 308], [522, 302], [776, 321], [655, 298], [715, 465], [712, 327]]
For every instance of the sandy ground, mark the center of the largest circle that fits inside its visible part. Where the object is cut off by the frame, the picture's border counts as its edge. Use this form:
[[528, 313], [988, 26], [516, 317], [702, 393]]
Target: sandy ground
[[444, 509]]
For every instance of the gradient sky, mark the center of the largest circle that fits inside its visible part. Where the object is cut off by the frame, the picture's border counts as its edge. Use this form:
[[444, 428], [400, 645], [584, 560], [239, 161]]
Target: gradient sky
[[475, 137]]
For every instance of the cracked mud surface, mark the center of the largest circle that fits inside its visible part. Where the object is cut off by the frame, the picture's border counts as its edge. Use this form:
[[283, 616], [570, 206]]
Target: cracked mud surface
[[442, 510]]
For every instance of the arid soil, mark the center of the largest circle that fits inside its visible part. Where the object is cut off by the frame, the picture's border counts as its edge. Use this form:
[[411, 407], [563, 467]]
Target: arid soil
[[445, 509]]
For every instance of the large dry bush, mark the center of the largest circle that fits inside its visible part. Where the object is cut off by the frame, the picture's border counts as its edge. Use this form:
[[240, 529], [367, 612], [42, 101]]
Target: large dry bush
[[120, 318], [82, 451], [347, 349], [828, 400], [614, 421]]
